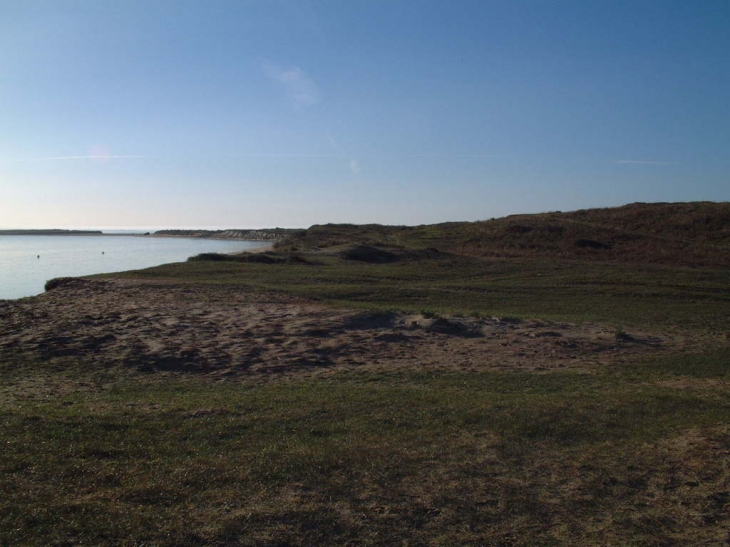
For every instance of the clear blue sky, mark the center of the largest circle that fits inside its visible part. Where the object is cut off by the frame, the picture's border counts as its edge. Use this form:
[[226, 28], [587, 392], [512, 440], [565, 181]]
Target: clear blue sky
[[255, 113]]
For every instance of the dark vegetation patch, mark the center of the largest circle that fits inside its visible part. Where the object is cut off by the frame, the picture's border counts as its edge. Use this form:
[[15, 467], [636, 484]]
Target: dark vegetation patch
[[386, 255], [518, 229], [372, 320], [366, 253], [253, 258], [591, 244], [55, 283], [72, 282], [453, 327]]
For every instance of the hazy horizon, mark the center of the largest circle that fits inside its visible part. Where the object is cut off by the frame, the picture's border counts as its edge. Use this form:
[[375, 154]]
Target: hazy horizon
[[142, 229], [145, 228], [232, 113]]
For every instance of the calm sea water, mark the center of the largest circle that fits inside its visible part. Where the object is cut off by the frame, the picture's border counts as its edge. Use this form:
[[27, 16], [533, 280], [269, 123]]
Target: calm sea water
[[27, 262]]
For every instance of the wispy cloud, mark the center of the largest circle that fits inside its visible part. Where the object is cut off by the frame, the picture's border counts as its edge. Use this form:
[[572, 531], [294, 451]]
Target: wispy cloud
[[450, 155], [66, 158], [334, 143], [285, 155], [648, 162], [299, 87], [354, 164]]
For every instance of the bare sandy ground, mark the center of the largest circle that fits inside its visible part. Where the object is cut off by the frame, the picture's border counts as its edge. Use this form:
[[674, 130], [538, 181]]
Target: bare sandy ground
[[226, 332]]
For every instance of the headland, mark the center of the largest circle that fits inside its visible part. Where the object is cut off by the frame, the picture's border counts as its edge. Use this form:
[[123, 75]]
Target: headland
[[265, 234]]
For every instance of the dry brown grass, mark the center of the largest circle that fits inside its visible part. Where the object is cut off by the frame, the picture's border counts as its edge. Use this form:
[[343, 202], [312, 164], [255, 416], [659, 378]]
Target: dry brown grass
[[690, 234]]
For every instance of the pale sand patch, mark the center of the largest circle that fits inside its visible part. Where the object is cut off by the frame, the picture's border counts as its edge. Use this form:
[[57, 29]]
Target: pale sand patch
[[227, 332]]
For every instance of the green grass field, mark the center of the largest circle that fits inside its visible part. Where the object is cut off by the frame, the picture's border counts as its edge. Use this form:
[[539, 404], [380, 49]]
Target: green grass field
[[614, 292], [617, 458], [636, 454]]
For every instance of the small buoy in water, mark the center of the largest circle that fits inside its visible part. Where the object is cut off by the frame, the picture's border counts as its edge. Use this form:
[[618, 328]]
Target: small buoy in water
[[38, 256], [102, 252]]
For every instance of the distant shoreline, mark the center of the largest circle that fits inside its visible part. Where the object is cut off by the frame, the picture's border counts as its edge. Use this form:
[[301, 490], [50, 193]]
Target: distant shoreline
[[51, 232], [266, 234]]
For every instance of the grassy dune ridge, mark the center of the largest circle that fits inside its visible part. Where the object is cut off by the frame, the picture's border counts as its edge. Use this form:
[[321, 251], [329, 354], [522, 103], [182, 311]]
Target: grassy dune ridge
[[691, 234], [630, 451]]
